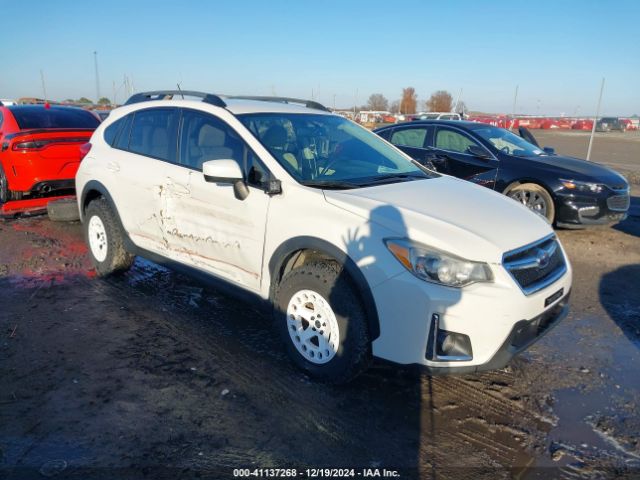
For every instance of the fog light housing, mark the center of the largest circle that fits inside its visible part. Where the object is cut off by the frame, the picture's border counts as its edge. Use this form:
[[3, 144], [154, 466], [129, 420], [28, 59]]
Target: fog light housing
[[591, 211], [447, 346]]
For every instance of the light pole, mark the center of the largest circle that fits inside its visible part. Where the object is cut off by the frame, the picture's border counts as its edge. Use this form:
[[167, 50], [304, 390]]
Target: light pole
[[595, 120], [95, 61]]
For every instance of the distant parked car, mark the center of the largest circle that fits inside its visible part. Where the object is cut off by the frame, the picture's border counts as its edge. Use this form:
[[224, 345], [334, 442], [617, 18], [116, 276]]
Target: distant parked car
[[437, 116], [567, 191], [608, 124], [102, 114], [582, 125], [41, 148]]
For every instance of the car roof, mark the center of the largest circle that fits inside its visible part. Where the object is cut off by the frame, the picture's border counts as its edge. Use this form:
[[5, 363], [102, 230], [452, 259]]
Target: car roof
[[236, 105]]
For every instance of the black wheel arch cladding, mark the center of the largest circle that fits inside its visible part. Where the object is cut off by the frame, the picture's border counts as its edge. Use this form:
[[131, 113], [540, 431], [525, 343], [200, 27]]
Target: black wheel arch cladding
[[289, 247]]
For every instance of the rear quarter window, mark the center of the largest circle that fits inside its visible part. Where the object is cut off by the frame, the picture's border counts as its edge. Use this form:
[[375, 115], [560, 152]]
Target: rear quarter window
[[111, 132], [36, 117]]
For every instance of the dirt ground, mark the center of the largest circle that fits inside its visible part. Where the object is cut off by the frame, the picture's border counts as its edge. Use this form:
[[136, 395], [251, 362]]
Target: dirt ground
[[150, 375]]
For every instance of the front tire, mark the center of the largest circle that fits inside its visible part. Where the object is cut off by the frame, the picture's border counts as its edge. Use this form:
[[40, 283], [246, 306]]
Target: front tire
[[535, 198], [105, 239], [322, 322]]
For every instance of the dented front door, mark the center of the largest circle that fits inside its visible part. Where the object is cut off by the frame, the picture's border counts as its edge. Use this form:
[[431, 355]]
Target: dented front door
[[206, 226]]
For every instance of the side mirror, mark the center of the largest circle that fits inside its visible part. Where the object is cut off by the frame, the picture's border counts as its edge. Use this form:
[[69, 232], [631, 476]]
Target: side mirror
[[478, 151], [549, 150], [226, 171]]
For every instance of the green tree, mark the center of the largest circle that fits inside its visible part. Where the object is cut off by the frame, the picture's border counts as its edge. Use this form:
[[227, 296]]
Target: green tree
[[104, 101], [84, 100]]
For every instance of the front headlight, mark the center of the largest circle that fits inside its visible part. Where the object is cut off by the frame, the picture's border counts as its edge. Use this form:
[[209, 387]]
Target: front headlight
[[582, 186], [436, 266]]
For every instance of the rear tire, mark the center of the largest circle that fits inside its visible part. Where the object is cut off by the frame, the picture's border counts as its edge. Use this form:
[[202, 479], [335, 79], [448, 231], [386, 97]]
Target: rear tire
[[105, 239], [64, 210], [5, 195], [322, 322], [535, 198]]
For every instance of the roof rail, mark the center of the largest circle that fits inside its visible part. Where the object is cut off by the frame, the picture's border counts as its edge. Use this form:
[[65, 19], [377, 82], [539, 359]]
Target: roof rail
[[306, 103], [163, 94]]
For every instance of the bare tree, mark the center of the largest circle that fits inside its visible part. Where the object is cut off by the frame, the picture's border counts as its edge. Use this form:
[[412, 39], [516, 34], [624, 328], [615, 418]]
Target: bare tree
[[378, 102], [395, 106], [409, 100], [440, 101]]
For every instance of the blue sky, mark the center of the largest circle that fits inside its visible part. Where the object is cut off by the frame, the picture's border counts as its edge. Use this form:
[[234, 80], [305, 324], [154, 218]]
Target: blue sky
[[555, 51]]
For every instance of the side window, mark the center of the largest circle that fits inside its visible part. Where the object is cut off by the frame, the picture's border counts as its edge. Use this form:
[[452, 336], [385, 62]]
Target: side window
[[409, 137], [204, 137], [122, 138], [1, 119], [155, 133], [111, 132], [453, 141], [256, 173]]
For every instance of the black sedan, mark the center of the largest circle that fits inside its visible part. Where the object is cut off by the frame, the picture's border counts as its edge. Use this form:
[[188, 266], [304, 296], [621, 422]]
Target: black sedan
[[568, 191]]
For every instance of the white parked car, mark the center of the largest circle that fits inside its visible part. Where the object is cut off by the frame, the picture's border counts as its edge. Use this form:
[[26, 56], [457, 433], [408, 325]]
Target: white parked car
[[437, 116], [360, 251]]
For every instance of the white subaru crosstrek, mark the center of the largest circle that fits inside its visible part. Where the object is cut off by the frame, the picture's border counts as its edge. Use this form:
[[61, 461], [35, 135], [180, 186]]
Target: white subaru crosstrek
[[360, 251]]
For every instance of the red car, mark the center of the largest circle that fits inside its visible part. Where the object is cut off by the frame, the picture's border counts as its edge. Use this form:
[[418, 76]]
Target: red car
[[40, 150]]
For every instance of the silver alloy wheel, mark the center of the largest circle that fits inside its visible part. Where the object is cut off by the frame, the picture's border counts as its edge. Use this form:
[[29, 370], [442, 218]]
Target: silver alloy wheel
[[97, 238], [312, 326], [532, 200]]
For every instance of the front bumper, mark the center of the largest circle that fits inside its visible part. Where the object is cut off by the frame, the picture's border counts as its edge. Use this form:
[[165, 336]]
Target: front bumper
[[608, 207], [498, 318]]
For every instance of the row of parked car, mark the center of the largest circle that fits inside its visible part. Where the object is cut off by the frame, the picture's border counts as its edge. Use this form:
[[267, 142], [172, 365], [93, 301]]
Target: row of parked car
[[361, 244]]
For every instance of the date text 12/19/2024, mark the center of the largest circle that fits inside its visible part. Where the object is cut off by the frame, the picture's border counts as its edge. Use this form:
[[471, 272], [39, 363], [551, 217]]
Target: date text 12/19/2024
[[315, 473]]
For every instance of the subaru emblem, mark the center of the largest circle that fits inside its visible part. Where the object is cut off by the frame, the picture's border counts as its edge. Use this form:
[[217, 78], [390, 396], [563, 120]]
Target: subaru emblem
[[542, 258]]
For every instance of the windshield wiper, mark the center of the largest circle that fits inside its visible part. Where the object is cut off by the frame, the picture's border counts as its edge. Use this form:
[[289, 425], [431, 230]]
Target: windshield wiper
[[330, 184], [391, 178]]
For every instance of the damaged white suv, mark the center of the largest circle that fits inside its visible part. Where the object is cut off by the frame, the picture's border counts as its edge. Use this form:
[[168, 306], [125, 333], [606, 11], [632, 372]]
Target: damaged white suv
[[360, 251]]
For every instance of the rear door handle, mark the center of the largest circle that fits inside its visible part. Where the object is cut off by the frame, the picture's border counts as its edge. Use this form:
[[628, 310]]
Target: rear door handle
[[113, 166]]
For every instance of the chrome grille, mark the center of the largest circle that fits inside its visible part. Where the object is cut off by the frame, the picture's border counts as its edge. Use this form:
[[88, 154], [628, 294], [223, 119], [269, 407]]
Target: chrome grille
[[537, 265], [618, 203]]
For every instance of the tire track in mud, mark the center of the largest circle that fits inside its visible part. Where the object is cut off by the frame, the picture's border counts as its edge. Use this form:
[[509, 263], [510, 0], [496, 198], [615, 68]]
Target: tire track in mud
[[449, 389]]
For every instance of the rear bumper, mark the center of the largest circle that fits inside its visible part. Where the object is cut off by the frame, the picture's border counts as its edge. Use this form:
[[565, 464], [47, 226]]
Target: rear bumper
[[52, 188], [33, 206]]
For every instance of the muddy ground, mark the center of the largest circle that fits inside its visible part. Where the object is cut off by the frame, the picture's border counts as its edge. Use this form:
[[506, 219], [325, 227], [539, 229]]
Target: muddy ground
[[150, 375]]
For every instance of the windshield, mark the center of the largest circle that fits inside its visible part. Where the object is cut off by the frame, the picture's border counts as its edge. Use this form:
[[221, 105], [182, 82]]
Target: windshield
[[330, 152], [507, 142]]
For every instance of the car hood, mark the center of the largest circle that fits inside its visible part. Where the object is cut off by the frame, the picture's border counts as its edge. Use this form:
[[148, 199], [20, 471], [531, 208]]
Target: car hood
[[578, 169], [446, 213]]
